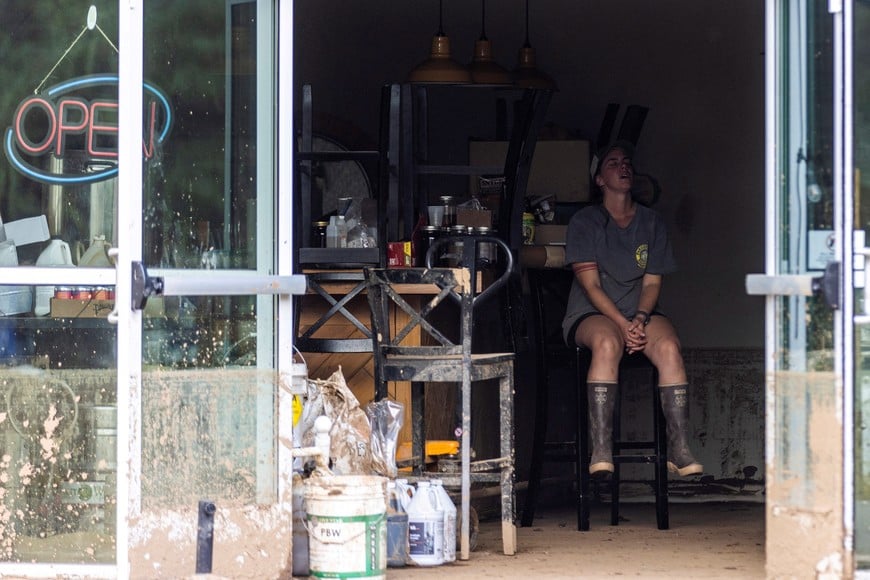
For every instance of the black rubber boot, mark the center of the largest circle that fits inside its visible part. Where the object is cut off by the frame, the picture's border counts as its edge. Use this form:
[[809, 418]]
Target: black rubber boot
[[602, 398], [675, 404]]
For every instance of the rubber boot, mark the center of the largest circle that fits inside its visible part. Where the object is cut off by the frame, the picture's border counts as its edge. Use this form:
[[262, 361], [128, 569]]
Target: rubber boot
[[602, 398], [675, 404]]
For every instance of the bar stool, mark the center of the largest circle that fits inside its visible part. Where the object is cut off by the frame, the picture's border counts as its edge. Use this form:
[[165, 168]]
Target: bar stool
[[551, 286], [652, 450]]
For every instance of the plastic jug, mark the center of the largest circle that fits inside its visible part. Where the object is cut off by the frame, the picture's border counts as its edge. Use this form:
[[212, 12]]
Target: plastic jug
[[397, 528], [56, 253], [97, 254], [425, 527], [449, 508], [406, 492], [300, 533]]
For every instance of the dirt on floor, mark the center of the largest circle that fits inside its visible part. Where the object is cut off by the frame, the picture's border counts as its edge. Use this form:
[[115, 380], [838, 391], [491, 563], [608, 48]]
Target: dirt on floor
[[705, 540]]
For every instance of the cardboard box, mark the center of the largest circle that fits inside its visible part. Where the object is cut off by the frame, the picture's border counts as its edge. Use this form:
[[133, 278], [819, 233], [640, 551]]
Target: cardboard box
[[548, 234], [559, 168], [27, 231], [474, 217], [71, 308]]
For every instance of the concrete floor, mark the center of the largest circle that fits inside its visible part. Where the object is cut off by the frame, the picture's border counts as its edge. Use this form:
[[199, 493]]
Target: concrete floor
[[706, 539]]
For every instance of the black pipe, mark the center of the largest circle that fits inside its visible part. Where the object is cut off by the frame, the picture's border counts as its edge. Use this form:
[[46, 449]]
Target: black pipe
[[205, 536]]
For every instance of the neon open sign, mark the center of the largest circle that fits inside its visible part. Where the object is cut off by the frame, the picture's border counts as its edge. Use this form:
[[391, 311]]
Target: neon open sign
[[61, 119]]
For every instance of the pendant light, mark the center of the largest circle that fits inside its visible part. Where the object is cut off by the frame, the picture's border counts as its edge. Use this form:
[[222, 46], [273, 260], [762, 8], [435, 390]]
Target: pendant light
[[527, 74], [484, 70], [439, 67]]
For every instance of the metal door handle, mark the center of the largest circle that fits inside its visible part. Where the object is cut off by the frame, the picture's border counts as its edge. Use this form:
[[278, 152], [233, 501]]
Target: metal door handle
[[145, 286], [828, 284]]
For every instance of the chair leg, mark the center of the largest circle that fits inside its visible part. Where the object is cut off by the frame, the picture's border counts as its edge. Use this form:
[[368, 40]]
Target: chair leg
[[661, 465], [508, 527], [418, 435], [582, 446], [616, 437], [465, 487], [538, 443]]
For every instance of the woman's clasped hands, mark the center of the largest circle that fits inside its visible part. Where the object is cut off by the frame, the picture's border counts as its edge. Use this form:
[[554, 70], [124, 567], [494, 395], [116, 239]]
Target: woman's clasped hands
[[634, 336]]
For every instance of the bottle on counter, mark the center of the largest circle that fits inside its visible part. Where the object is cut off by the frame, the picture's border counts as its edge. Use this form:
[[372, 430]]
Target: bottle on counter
[[449, 216], [318, 230], [332, 233], [342, 231]]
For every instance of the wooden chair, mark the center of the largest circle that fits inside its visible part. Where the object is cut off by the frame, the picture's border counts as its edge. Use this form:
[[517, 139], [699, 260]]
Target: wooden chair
[[448, 360], [549, 287]]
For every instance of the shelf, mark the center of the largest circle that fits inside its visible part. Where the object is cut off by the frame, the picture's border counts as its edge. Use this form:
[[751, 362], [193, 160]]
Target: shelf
[[339, 257], [54, 324], [338, 156], [433, 169]]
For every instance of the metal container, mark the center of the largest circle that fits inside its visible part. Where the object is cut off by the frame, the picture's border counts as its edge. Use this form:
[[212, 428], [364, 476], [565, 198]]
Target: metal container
[[528, 228], [449, 211], [101, 293], [456, 247], [63, 292], [83, 293], [318, 234], [486, 255], [431, 234]]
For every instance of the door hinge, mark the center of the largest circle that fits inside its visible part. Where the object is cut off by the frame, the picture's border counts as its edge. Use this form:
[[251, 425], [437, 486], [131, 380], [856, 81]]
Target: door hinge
[[835, 6]]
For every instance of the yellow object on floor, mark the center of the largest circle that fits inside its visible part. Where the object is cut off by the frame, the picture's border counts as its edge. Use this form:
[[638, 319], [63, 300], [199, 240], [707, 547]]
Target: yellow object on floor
[[433, 448]]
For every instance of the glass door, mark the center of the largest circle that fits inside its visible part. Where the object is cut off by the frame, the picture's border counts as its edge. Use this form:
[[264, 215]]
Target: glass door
[[807, 237], [214, 240], [857, 125], [144, 306]]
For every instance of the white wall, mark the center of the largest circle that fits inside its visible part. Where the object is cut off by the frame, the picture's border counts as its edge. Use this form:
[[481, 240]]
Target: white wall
[[698, 66]]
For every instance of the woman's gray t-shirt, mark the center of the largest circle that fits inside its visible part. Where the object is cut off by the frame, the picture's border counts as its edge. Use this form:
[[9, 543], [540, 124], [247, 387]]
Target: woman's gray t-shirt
[[623, 256]]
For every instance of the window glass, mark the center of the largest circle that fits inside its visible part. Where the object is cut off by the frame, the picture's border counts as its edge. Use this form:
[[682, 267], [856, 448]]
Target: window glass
[[58, 195], [208, 384]]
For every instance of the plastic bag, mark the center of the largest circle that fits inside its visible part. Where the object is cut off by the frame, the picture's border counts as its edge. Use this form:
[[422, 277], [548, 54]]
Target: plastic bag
[[359, 233], [386, 418], [472, 203], [361, 236], [350, 434]]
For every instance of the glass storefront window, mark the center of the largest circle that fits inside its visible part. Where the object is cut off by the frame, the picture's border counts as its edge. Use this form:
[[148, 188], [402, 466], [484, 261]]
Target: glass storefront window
[[208, 363], [58, 199]]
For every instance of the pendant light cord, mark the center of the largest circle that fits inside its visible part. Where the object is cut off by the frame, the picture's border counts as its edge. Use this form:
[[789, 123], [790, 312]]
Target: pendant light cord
[[527, 44], [440, 18], [483, 20]]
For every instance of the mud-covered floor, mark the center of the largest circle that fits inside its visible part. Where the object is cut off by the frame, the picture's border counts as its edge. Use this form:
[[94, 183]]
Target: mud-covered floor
[[709, 539]]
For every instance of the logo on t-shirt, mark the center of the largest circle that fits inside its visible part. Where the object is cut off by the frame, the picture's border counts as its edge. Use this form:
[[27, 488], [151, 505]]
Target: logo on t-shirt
[[640, 256]]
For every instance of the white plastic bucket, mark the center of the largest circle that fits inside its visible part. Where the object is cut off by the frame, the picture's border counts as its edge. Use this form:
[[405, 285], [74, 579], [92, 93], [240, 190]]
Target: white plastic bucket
[[347, 526]]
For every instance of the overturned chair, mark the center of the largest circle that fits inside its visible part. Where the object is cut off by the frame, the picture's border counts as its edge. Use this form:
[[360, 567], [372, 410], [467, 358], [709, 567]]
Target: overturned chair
[[448, 360]]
